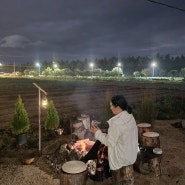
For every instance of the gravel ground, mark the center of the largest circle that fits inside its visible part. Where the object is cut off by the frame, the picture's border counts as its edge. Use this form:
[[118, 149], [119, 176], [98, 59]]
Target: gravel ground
[[173, 164], [25, 175]]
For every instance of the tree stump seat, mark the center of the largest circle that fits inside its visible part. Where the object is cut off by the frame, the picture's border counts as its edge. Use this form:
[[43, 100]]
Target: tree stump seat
[[142, 128], [74, 172], [151, 139], [150, 154]]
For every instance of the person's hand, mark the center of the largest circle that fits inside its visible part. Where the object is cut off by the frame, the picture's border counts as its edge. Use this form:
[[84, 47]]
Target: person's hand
[[94, 128]]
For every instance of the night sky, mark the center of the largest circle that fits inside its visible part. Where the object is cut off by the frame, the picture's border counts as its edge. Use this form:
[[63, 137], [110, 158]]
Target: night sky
[[33, 30]]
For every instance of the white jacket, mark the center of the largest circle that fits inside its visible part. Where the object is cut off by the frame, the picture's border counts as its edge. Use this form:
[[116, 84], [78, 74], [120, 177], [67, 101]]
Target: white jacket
[[122, 140]]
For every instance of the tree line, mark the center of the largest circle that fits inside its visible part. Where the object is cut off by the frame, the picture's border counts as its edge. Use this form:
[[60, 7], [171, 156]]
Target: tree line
[[130, 66]]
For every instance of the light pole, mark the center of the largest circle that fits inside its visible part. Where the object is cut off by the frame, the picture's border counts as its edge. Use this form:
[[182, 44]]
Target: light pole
[[38, 65], [153, 65], [92, 66], [39, 111]]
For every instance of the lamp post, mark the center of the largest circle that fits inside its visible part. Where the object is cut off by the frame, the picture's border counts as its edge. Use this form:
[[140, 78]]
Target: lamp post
[[153, 65], [39, 111], [38, 65], [92, 66]]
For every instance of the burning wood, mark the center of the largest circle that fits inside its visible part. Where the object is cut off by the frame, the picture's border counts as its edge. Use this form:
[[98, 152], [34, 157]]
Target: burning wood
[[83, 145]]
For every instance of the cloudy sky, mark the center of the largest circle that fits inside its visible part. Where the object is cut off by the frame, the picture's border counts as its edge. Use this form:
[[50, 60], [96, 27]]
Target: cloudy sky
[[33, 30]]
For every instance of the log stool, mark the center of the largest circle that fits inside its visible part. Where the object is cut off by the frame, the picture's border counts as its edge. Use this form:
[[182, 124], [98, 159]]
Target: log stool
[[151, 139], [142, 128], [74, 172], [155, 161]]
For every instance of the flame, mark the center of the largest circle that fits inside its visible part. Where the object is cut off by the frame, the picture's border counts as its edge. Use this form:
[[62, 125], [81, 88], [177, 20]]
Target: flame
[[84, 145]]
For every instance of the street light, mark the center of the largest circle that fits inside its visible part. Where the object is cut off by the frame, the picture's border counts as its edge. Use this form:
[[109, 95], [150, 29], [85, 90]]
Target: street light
[[119, 64], [44, 103], [38, 65], [55, 66], [92, 66], [153, 65]]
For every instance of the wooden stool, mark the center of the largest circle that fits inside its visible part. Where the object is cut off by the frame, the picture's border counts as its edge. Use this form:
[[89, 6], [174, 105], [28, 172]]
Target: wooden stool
[[151, 139], [142, 128], [155, 162], [124, 175], [74, 172]]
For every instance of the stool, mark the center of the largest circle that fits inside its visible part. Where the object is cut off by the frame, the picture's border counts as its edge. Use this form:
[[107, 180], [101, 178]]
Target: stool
[[151, 139], [74, 172], [142, 128]]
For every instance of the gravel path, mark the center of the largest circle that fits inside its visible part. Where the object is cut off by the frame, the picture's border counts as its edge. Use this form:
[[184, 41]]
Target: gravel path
[[25, 175]]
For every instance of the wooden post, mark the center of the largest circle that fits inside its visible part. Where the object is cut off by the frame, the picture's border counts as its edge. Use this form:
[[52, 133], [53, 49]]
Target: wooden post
[[142, 128]]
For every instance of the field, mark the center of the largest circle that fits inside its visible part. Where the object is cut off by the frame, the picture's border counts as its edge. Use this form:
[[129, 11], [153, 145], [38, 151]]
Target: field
[[79, 97]]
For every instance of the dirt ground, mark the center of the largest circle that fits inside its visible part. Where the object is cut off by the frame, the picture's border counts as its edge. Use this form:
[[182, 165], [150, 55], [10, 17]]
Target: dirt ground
[[172, 141]]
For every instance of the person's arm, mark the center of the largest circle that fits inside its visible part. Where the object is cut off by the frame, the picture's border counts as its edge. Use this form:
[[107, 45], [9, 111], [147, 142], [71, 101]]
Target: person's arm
[[111, 138]]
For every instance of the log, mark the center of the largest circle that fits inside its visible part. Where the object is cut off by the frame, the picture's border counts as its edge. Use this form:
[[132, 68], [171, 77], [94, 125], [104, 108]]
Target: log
[[142, 128], [74, 172], [124, 175], [155, 166], [151, 139]]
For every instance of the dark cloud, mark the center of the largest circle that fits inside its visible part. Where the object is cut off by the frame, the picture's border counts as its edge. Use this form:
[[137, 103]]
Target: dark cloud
[[90, 28]]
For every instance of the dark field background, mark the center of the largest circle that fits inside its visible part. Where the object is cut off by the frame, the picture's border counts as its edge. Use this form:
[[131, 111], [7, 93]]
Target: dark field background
[[88, 97]]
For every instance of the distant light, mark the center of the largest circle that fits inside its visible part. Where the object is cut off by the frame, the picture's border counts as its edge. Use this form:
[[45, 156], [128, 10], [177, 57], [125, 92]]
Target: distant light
[[154, 64], [55, 66], [91, 64], [38, 64]]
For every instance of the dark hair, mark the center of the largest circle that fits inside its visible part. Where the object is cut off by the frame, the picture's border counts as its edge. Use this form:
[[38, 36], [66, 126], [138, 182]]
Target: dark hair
[[119, 100]]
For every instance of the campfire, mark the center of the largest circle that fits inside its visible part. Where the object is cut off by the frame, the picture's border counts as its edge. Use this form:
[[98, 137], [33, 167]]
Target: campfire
[[83, 146]]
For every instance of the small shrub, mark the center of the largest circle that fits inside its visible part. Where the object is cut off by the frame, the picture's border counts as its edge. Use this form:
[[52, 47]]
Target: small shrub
[[52, 120], [147, 110], [20, 121]]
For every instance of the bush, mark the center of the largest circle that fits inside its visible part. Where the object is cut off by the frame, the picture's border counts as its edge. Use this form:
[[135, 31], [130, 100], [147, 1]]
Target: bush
[[20, 121], [52, 120], [147, 110], [171, 107]]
